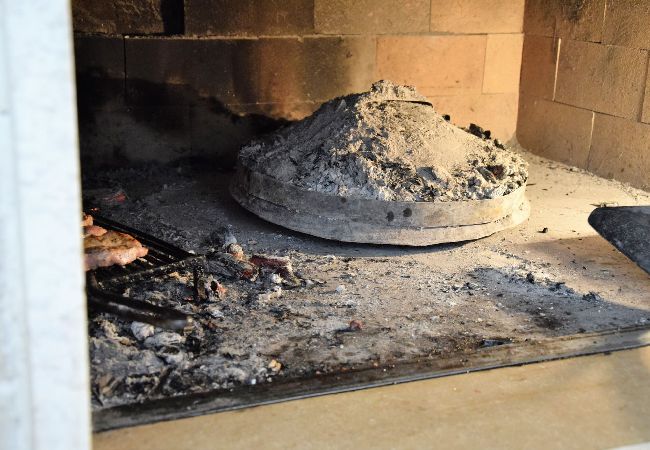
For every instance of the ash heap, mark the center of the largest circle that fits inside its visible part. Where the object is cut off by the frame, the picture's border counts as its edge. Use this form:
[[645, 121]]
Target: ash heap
[[387, 144]]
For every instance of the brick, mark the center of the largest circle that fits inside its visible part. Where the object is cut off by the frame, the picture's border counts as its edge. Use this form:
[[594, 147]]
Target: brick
[[121, 16], [312, 69], [249, 17], [220, 133], [626, 24], [371, 16], [554, 130], [539, 18], [171, 71], [140, 16], [477, 16], [94, 16], [601, 78], [579, 20], [435, 65], [495, 112], [502, 63], [100, 54], [273, 71], [99, 64], [538, 62], [620, 149]]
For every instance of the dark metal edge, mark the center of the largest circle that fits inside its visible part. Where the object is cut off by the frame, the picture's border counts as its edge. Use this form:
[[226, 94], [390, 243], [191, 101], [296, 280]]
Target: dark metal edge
[[481, 359]]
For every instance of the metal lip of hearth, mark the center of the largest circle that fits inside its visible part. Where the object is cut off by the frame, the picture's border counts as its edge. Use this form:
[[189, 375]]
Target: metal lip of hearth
[[506, 355]]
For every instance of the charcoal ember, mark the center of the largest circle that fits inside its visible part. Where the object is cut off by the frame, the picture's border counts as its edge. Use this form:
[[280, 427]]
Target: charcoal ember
[[222, 237], [592, 297], [227, 266], [355, 325], [219, 289], [497, 170], [278, 265], [273, 262], [236, 251], [489, 176], [105, 197], [211, 290], [479, 131]]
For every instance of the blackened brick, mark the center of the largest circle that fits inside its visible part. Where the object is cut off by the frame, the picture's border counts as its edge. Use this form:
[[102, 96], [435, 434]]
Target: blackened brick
[[121, 16], [248, 17]]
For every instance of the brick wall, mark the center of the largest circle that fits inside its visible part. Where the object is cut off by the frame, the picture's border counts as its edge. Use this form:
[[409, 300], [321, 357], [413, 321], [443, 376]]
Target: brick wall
[[584, 96], [171, 78]]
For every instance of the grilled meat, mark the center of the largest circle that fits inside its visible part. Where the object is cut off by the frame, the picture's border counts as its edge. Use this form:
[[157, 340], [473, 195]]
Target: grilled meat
[[104, 248]]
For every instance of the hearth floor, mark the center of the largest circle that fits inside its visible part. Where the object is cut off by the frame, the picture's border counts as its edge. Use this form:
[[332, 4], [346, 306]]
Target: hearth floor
[[550, 287]]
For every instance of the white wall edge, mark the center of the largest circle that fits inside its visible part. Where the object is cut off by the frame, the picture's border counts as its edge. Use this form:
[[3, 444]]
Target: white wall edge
[[44, 393]]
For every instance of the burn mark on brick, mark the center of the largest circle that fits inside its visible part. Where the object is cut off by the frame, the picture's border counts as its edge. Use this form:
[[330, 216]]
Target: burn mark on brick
[[573, 10], [173, 16]]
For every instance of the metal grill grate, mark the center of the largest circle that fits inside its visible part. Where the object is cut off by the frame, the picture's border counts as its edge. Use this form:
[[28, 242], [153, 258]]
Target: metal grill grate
[[162, 257]]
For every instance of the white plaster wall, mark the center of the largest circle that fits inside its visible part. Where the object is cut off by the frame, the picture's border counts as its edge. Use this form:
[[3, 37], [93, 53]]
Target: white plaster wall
[[44, 396]]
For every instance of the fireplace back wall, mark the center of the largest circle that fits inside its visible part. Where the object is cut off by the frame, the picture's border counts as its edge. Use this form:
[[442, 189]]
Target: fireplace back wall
[[165, 79], [585, 87]]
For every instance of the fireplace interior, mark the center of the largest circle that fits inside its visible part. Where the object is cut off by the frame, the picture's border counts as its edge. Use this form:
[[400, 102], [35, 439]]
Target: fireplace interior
[[228, 310]]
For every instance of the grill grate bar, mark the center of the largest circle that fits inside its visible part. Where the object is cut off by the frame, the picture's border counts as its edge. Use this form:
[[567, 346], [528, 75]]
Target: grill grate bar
[[161, 258]]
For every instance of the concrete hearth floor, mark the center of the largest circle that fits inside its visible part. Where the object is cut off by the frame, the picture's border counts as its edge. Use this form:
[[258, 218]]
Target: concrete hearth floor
[[526, 287], [592, 402]]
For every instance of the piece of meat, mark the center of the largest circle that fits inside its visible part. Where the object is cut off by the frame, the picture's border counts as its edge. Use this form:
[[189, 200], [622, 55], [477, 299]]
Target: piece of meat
[[94, 230], [111, 248], [86, 220]]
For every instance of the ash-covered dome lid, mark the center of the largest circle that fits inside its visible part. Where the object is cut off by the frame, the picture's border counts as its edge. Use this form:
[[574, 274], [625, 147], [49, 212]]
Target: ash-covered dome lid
[[390, 144]]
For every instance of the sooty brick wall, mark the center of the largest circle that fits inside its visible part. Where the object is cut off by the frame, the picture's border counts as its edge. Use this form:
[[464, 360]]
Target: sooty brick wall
[[163, 79]]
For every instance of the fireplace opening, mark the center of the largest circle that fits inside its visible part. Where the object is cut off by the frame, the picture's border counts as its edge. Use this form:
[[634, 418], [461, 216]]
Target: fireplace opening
[[230, 308]]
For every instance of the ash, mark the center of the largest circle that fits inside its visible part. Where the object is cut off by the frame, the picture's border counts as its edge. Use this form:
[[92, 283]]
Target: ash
[[387, 144], [277, 305]]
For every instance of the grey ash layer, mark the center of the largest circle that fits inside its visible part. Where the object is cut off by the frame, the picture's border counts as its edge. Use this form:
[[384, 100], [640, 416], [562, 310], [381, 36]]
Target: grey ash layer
[[414, 304], [387, 144]]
